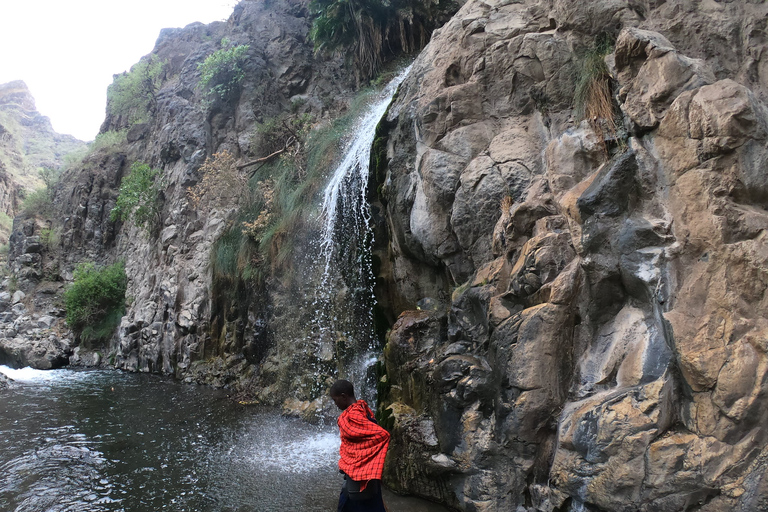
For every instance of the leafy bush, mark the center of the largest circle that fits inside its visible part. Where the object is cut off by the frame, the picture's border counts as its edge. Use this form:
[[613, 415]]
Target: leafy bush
[[280, 132], [95, 301], [39, 202], [369, 30], [138, 196], [133, 95], [221, 72], [109, 141], [50, 238]]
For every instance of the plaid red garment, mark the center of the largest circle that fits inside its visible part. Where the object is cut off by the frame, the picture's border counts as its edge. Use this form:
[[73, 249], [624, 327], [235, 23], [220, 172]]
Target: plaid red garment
[[363, 444]]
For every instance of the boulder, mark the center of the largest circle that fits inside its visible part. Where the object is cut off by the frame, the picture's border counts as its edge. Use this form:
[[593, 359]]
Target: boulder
[[42, 354]]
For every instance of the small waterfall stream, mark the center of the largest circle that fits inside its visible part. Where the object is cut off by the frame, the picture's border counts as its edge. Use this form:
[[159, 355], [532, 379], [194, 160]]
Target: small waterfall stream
[[344, 300]]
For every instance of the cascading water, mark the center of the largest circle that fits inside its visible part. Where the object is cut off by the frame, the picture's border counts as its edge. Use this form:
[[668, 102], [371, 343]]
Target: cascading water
[[345, 300]]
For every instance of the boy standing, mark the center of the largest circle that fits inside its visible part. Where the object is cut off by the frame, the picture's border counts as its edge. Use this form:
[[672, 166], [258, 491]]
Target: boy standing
[[363, 449]]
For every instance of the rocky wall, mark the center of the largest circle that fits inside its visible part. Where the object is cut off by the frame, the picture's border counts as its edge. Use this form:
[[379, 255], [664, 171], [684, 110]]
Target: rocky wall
[[591, 332], [176, 322]]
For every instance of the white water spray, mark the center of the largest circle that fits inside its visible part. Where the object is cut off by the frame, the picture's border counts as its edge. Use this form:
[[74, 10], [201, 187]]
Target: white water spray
[[346, 234]]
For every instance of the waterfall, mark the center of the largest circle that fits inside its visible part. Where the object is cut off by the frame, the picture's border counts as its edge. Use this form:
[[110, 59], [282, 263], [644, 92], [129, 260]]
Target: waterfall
[[344, 299]]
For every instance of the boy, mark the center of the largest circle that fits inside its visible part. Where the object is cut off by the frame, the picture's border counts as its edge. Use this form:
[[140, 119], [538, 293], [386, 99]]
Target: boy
[[363, 449]]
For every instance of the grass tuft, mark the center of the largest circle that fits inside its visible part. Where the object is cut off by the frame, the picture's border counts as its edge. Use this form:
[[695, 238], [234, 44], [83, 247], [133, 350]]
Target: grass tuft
[[592, 97]]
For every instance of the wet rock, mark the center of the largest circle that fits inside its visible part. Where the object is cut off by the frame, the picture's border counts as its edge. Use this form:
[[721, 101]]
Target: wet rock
[[42, 353], [612, 190], [608, 350], [85, 358], [314, 411]]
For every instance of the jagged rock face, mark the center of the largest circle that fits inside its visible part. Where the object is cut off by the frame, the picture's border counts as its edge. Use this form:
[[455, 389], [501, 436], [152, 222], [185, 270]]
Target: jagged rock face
[[169, 320], [606, 347], [27, 142]]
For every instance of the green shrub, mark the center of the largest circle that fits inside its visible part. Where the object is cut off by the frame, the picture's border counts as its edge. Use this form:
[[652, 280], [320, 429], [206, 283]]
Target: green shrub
[[95, 301], [50, 238], [6, 222], [282, 196], [133, 95], [39, 202], [278, 132], [137, 199], [221, 72], [109, 141], [74, 160], [372, 30]]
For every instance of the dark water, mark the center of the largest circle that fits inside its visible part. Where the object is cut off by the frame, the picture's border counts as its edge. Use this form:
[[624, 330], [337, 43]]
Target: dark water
[[88, 441]]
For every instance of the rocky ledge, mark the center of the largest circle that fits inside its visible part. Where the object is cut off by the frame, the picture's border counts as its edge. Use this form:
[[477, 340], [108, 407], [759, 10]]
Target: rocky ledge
[[31, 338]]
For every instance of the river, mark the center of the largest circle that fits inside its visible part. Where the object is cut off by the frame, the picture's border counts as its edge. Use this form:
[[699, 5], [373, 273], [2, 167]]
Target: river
[[103, 440]]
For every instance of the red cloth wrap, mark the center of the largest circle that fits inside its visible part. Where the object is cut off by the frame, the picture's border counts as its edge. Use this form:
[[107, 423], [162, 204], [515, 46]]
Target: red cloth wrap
[[363, 444]]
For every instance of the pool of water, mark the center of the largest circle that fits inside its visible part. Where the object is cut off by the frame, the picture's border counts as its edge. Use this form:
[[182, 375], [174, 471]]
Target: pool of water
[[100, 440]]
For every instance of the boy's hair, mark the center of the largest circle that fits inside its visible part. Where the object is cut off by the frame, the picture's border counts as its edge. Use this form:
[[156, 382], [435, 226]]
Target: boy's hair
[[342, 387]]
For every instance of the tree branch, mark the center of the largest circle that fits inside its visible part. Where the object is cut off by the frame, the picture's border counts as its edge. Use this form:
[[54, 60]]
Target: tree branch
[[263, 160]]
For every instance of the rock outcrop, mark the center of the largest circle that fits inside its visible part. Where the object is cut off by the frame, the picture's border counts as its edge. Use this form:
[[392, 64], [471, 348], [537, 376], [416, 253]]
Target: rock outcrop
[[31, 332], [177, 322], [598, 339]]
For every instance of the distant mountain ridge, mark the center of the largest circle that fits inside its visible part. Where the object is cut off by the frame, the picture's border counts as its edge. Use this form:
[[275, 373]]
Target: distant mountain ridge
[[27, 139], [28, 142]]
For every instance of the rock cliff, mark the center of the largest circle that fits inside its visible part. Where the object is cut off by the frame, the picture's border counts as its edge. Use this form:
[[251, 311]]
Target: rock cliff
[[591, 331], [569, 203], [178, 320]]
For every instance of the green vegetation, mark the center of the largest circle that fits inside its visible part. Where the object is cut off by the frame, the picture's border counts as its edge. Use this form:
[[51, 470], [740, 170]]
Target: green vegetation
[[112, 142], [133, 95], [373, 30], [222, 71], [109, 141], [137, 199], [49, 237], [6, 222], [40, 202], [95, 301], [592, 97], [282, 196], [278, 133]]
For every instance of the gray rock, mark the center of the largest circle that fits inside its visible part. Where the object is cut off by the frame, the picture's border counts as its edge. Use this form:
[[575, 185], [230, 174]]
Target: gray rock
[[46, 322], [42, 354], [18, 296]]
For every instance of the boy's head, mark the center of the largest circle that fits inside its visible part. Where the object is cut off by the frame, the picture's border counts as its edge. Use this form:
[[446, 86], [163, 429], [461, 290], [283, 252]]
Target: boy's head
[[343, 394]]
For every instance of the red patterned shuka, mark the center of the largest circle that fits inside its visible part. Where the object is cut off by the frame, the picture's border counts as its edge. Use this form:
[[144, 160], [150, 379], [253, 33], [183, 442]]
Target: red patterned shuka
[[363, 444]]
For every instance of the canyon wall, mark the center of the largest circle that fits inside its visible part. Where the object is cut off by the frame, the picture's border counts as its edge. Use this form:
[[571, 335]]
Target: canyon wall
[[575, 300], [583, 321]]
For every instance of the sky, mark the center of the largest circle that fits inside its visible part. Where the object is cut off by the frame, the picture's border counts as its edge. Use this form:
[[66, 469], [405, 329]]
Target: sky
[[67, 50]]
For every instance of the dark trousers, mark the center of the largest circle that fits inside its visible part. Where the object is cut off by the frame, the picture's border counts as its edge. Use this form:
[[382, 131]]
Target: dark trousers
[[373, 504]]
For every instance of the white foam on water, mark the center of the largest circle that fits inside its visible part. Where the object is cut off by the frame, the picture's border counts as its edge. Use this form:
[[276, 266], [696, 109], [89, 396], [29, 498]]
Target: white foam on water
[[29, 375], [301, 455]]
